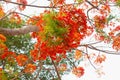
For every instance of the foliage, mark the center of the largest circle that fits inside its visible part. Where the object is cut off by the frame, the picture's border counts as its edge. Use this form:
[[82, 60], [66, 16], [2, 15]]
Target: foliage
[[58, 47]]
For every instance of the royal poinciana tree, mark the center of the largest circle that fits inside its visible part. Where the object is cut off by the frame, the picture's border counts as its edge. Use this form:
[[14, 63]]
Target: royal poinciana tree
[[55, 42]]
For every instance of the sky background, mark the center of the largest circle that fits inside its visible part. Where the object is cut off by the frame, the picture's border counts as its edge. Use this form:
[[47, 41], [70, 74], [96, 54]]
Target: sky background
[[111, 66]]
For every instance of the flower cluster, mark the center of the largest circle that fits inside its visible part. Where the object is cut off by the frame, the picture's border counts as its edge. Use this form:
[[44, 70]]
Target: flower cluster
[[2, 13], [15, 18], [78, 71], [59, 32], [100, 21], [21, 59], [30, 68]]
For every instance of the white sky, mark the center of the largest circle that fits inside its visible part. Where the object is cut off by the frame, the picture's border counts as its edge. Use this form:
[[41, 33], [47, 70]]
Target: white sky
[[111, 66]]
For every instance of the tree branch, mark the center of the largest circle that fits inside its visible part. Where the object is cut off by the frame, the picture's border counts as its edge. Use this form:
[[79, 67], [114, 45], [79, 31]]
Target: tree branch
[[89, 59], [59, 78], [105, 51], [92, 4], [40, 66], [18, 31], [28, 4], [71, 62]]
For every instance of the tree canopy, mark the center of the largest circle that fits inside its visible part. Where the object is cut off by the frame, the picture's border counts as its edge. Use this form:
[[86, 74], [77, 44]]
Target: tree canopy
[[54, 42]]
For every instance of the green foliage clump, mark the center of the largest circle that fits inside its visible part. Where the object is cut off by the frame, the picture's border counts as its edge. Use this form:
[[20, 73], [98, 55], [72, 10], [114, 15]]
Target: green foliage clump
[[118, 2], [18, 43], [53, 29]]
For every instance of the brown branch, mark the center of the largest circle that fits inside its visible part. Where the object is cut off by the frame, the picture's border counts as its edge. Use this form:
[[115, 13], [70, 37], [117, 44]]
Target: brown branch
[[19, 75], [18, 31], [90, 46], [51, 74], [93, 43], [17, 13], [96, 7], [89, 59], [6, 16], [89, 20], [105, 51], [40, 65], [71, 62], [28, 4], [59, 78]]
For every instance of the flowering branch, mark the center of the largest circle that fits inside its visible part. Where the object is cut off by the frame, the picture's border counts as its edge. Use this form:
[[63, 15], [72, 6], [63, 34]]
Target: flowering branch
[[89, 59]]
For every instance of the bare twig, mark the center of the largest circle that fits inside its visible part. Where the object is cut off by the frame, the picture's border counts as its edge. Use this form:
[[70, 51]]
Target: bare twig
[[71, 62], [6, 16], [56, 69], [89, 58], [38, 72], [105, 51], [28, 4], [90, 43], [96, 7]]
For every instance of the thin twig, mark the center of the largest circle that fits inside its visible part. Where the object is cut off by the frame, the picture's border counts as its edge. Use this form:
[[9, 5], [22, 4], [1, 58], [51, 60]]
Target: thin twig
[[56, 69], [89, 59], [19, 74], [90, 43], [71, 62], [28, 4], [25, 15], [6, 16], [40, 66], [89, 20], [105, 51], [50, 73], [96, 7]]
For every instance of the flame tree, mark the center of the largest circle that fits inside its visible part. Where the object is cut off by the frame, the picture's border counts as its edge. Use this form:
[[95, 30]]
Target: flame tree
[[53, 43]]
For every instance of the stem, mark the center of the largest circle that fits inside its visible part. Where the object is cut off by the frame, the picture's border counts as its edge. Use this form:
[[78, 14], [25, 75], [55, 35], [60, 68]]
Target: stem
[[17, 13], [51, 74], [5, 16], [56, 69], [28, 4], [105, 51], [90, 43], [20, 74], [40, 65], [92, 4], [90, 46], [71, 62], [89, 59]]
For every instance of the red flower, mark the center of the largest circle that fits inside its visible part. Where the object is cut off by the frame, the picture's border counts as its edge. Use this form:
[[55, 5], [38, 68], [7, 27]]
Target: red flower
[[23, 4], [116, 43], [21, 59], [78, 71], [2, 38], [30, 68], [100, 21], [100, 59]]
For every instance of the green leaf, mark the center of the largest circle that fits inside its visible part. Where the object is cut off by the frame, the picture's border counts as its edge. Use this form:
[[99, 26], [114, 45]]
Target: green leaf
[[21, 43], [110, 18], [118, 2], [4, 76]]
